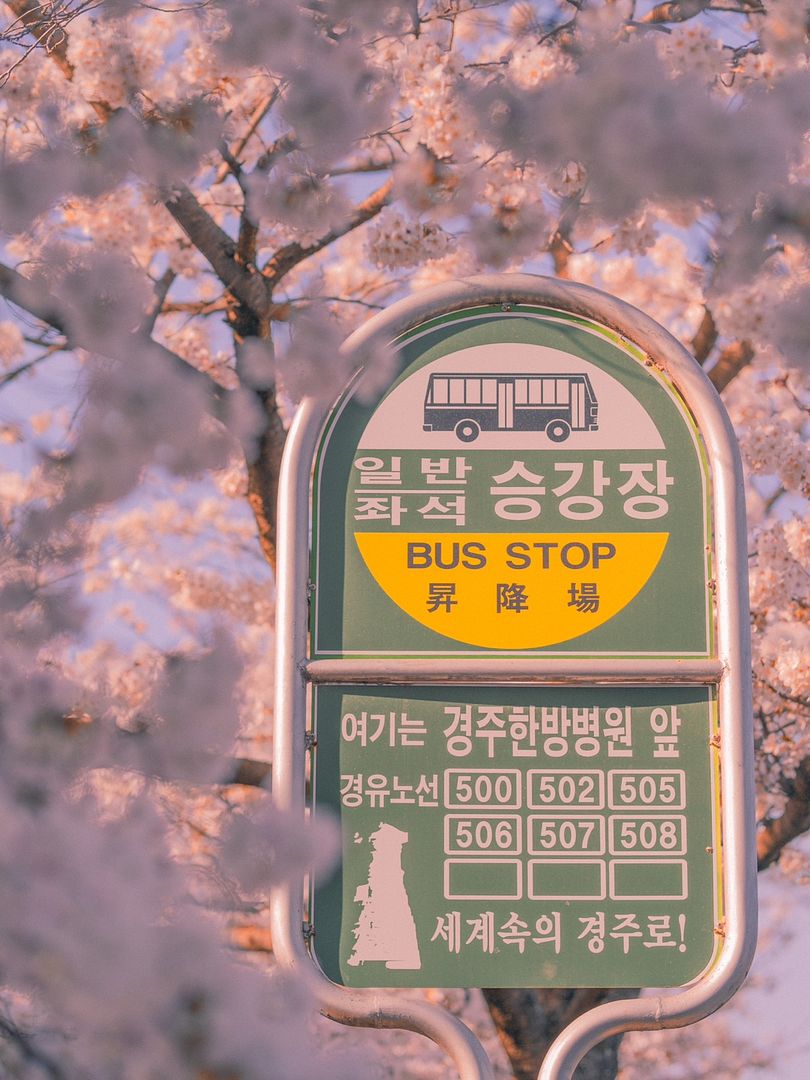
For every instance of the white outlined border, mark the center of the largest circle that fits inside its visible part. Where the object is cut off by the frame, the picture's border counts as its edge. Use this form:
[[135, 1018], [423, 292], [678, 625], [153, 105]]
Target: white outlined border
[[558, 852], [517, 791], [515, 848], [598, 787], [572, 865], [618, 864], [655, 817], [515, 894], [657, 804]]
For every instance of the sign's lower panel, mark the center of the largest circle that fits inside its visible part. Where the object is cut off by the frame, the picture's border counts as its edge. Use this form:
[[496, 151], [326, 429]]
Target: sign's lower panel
[[536, 836]]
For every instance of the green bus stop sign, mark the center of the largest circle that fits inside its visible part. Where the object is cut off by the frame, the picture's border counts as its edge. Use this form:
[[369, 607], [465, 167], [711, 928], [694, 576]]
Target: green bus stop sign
[[530, 485]]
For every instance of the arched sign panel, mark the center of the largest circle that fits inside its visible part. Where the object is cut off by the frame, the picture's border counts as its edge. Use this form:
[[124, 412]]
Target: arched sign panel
[[529, 482], [513, 627]]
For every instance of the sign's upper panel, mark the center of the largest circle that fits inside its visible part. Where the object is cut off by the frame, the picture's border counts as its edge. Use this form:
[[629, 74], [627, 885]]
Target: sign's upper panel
[[530, 483]]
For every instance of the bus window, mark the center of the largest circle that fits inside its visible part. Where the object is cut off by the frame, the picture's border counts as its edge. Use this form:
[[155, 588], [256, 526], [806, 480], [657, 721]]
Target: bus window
[[440, 391], [534, 391], [521, 392], [489, 391], [548, 392], [473, 391], [563, 388], [456, 391]]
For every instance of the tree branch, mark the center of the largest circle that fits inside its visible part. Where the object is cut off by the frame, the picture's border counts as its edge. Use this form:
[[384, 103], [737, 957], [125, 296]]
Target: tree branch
[[246, 247], [37, 301], [251, 938], [162, 286], [560, 246], [730, 363], [264, 472], [289, 256], [675, 11], [196, 307], [705, 338], [15, 373], [284, 144], [47, 31], [364, 164], [256, 117], [777, 833], [243, 281], [25, 1044], [248, 772]]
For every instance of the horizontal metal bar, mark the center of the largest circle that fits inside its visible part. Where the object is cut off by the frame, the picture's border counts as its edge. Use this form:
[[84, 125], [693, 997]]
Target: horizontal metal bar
[[557, 671]]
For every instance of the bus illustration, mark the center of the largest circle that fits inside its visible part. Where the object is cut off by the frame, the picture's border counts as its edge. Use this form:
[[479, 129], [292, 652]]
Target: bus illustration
[[468, 404]]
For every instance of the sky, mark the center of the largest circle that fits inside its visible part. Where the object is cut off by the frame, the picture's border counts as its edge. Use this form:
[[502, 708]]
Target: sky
[[776, 1013]]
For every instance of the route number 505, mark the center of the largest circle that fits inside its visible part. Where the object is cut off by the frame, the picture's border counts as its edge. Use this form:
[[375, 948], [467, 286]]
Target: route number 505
[[656, 787]]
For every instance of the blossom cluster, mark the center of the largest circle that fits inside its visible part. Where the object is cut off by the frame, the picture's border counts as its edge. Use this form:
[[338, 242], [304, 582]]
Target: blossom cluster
[[395, 242], [201, 202]]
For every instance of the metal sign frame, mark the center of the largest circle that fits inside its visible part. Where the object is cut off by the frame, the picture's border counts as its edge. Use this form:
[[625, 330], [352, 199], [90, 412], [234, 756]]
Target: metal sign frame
[[729, 672]]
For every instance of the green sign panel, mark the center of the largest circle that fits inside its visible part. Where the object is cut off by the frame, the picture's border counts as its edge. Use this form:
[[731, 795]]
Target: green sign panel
[[518, 836], [530, 484]]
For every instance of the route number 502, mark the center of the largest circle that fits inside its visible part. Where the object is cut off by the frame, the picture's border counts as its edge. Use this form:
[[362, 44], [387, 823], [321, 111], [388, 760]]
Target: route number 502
[[561, 789]]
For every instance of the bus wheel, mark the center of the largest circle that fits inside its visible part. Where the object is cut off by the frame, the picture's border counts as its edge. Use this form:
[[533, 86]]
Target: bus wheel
[[558, 431], [467, 430]]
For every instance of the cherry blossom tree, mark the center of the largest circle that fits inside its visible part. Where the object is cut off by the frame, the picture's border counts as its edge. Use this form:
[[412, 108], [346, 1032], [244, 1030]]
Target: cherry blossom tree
[[197, 203]]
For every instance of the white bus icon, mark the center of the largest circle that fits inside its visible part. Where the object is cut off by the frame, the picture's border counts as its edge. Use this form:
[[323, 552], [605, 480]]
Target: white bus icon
[[468, 404]]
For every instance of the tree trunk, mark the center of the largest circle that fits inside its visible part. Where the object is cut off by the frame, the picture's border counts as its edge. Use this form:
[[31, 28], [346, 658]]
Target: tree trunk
[[528, 1021], [263, 474]]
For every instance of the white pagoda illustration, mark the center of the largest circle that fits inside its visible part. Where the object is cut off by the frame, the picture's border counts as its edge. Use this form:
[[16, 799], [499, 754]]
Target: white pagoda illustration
[[386, 930]]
